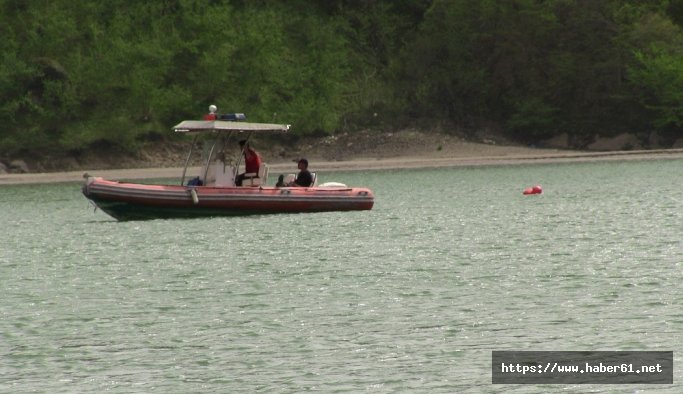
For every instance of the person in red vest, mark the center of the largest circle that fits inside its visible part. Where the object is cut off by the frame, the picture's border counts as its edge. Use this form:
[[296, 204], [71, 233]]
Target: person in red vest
[[212, 113], [252, 162]]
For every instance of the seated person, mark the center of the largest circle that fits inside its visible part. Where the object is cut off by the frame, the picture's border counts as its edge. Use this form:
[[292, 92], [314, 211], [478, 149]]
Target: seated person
[[304, 178], [252, 162]]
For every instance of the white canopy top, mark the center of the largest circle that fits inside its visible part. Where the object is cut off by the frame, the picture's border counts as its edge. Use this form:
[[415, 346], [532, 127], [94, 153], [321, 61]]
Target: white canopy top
[[195, 126]]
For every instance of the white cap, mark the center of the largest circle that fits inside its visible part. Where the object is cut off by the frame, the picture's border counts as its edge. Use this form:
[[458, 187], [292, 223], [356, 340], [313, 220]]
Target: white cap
[[213, 108]]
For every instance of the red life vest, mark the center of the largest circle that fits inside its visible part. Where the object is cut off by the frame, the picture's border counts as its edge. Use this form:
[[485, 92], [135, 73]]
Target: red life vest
[[252, 161]]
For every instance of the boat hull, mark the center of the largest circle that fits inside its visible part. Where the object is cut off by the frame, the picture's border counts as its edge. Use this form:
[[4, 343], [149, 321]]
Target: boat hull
[[134, 201]]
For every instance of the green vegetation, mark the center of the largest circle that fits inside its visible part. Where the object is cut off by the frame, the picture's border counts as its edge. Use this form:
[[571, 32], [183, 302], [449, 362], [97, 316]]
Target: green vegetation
[[77, 74]]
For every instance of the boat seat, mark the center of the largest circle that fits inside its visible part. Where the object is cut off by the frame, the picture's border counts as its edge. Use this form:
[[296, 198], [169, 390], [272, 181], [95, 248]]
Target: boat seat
[[256, 179]]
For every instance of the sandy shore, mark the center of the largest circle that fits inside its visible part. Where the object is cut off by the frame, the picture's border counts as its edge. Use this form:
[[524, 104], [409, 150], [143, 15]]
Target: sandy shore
[[481, 156]]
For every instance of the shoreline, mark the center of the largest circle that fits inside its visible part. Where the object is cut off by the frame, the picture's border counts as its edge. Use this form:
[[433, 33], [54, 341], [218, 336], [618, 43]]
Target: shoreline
[[362, 164]]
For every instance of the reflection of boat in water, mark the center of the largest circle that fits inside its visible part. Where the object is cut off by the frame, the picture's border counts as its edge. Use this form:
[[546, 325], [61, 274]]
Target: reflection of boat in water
[[213, 192]]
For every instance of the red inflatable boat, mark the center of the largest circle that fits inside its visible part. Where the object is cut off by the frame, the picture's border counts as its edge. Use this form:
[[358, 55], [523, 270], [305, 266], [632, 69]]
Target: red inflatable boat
[[213, 192]]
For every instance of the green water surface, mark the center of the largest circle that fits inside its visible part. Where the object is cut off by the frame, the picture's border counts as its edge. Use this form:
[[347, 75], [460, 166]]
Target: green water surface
[[411, 297]]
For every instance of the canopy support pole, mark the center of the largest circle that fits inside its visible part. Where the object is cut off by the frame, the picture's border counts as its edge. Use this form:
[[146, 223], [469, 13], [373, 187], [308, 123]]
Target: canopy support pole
[[187, 160]]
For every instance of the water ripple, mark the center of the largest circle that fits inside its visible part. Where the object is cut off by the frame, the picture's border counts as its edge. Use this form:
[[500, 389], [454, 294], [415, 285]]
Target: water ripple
[[411, 296]]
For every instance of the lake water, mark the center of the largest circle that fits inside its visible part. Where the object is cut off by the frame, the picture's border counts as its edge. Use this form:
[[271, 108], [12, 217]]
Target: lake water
[[412, 296]]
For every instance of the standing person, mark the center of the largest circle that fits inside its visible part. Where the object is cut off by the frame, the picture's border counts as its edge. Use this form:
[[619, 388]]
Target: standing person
[[212, 113], [252, 162], [304, 177]]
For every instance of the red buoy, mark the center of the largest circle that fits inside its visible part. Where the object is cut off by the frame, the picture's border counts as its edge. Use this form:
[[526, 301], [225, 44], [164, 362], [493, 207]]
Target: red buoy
[[533, 190]]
